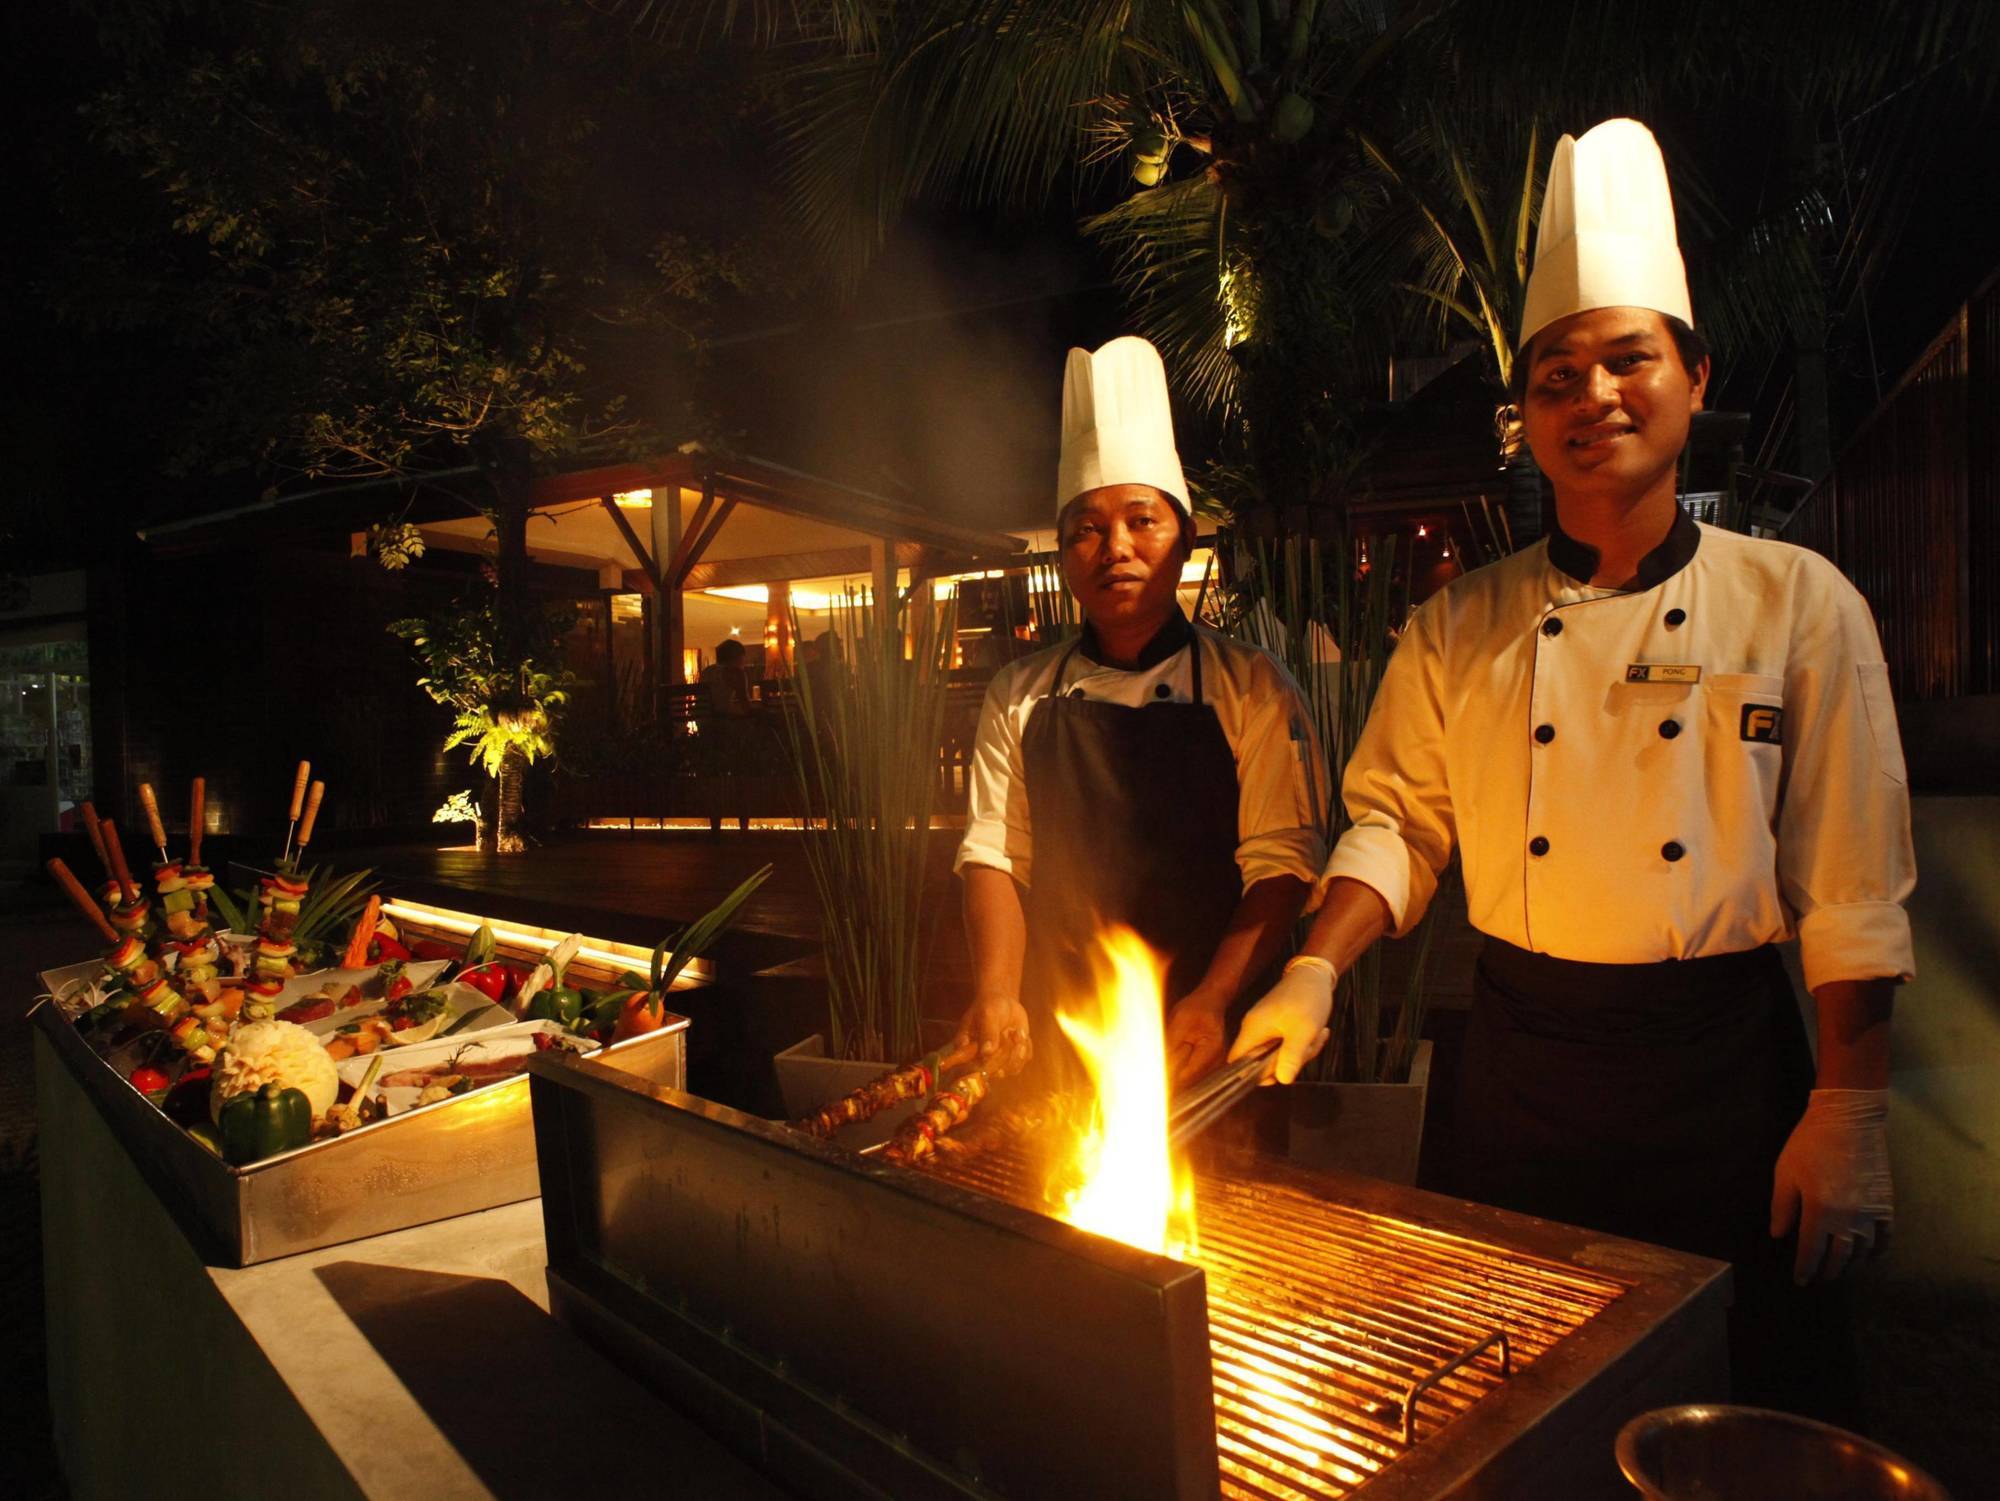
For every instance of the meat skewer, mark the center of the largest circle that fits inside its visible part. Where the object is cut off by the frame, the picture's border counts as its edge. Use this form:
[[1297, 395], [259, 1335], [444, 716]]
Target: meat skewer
[[912, 1081], [917, 1138]]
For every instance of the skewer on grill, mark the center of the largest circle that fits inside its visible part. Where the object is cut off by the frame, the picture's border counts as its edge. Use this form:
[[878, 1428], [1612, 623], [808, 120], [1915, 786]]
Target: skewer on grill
[[912, 1081], [918, 1137]]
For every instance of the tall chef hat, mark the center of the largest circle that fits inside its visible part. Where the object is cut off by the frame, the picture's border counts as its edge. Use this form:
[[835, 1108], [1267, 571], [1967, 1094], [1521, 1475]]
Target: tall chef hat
[[1607, 234], [1117, 428]]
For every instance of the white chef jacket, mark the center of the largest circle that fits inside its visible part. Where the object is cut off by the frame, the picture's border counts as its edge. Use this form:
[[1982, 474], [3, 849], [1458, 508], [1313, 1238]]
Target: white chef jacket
[[1280, 779], [1703, 764]]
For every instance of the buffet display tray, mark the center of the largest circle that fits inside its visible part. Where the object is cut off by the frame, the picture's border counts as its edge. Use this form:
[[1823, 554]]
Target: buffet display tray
[[474, 1151]]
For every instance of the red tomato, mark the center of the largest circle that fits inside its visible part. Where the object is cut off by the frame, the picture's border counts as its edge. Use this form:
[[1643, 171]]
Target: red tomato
[[149, 1080]]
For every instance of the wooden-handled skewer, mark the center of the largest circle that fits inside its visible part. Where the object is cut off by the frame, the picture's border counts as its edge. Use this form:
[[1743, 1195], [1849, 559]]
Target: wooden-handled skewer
[[152, 806], [197, 818], [306, 823], [298, 800], [81, 900], [120, 871], [96, 833]]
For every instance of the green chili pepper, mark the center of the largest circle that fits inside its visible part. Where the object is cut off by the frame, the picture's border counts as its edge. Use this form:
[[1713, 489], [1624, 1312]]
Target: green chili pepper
[[265, 1122]]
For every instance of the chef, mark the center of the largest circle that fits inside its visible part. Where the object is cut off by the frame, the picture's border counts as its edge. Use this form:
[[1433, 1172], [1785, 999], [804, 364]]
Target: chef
[[1151, 773], [1661, 750]]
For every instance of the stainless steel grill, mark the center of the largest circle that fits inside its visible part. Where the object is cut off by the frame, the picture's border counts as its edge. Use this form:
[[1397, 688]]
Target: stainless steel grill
[[858, 1328], [1339, 1338]]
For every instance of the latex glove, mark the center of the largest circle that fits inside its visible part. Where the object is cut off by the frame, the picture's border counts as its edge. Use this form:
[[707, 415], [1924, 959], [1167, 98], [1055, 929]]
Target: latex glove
[[1294, 1010], [1832, 1182], [1000, 1027]]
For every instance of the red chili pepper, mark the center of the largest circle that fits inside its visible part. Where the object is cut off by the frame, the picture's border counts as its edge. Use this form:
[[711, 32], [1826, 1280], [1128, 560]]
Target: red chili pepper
[[387, 949], [149, 1080], [430, 948]]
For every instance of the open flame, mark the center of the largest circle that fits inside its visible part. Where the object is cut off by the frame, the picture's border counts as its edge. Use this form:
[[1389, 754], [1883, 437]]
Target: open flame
[[1132, 1190]]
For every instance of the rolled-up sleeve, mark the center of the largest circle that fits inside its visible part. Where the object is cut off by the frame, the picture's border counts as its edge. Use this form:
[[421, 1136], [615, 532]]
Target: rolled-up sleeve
[[1280, 792], [1398, 801], [997, 831], [1846, 863]]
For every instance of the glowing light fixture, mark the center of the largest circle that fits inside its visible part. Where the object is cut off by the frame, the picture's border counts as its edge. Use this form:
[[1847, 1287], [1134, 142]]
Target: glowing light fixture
[[633, 500]]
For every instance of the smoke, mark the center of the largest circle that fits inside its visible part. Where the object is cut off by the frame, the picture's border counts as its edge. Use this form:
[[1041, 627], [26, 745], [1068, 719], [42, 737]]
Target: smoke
[[939, 383]]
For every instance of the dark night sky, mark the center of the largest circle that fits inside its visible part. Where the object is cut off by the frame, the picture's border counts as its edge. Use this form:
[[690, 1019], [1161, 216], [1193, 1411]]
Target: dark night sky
[[891, 391]]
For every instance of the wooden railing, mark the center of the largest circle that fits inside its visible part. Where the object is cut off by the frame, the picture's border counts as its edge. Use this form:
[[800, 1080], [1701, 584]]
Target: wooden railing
[[1911, 512]]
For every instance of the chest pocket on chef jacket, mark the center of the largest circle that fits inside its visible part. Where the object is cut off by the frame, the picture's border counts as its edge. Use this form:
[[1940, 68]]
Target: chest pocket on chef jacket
[[1730, 696]]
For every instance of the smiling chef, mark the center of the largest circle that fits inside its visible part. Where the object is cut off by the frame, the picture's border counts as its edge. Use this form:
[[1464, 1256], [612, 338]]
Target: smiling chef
[[1151, 773], [1662, 749]]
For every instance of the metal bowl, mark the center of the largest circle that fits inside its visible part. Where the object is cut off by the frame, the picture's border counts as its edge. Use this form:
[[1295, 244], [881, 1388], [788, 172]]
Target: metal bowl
[[1708, 1452]]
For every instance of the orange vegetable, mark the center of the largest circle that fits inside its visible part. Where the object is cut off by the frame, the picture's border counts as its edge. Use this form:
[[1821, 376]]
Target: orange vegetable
[[642, 1012], [356, 956]]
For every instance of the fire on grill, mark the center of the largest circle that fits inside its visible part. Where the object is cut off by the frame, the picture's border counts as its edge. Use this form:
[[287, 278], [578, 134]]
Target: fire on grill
[[859, 1325]]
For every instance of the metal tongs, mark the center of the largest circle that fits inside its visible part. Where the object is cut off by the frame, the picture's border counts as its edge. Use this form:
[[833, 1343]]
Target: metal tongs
[[1213, 1096]]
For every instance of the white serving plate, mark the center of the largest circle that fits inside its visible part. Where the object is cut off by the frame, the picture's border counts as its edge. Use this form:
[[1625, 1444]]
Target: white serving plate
[[488, 1044]]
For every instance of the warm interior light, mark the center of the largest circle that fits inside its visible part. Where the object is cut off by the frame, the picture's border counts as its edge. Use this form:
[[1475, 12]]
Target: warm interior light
[[813, 601], [633, 500], [1423, 531], [1131, 1189], [617, 956]]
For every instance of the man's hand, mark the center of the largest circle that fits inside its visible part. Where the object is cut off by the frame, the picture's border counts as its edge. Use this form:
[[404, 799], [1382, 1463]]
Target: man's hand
[[1832, 1182], [1295, 1012], [1195, 1035], [999, 1024]]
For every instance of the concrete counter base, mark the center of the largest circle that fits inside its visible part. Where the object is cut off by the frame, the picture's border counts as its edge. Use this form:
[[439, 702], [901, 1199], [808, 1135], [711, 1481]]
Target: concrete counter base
[[418, 1364]]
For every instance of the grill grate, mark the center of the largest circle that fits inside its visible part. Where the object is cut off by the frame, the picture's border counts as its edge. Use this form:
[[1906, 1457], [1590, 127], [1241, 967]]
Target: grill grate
[[1339, 1337]]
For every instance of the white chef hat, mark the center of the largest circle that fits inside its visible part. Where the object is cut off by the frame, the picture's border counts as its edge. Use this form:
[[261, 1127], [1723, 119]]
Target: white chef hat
[[1117, 428], [1607, 233]]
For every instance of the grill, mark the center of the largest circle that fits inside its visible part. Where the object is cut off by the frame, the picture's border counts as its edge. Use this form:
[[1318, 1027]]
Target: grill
[[860, 1329], [1338, 1336]]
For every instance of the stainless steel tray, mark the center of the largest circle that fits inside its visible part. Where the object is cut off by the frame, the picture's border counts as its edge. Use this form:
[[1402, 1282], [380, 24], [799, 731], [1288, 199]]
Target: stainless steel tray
[[472, 1152]]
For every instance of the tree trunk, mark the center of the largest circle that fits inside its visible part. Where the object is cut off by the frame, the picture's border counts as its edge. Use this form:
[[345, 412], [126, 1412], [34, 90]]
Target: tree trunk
[[488, 802], [507, 811]]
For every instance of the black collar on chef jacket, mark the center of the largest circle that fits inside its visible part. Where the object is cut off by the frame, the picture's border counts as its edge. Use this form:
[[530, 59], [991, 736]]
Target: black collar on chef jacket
[[1675, 552], [1167, 640]]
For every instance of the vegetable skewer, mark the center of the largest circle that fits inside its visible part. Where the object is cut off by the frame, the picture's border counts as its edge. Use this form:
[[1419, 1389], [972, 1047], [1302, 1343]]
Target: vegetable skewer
[[83, 901], [90, 826], [159, 830], [298, 801]]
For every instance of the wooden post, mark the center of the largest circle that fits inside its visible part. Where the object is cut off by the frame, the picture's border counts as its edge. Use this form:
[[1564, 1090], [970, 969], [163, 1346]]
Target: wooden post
[[610, 664], [882, 568], [669, 619], [778, 630]]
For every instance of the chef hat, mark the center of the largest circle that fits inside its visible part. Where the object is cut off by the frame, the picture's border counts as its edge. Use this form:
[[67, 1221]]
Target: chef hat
[[1607, 232], [1116, 426]]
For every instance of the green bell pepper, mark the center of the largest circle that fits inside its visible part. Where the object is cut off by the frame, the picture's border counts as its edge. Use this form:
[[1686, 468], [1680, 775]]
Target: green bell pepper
[[558, 1004], [264, 1123]]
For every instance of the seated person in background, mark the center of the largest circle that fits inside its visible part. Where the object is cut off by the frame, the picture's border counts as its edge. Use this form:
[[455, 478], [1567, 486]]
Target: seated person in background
[[728, 682]]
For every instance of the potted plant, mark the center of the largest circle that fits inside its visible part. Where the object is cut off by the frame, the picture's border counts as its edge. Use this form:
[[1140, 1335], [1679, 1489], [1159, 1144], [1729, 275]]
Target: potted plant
[[863, 748], [1328, 613]]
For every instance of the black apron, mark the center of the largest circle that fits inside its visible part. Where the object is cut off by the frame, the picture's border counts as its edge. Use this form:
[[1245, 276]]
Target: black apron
[[1135, 821], [1651, 1101]]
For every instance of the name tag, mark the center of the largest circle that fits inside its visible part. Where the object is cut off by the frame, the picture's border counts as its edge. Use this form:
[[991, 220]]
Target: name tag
[[1661, 672]]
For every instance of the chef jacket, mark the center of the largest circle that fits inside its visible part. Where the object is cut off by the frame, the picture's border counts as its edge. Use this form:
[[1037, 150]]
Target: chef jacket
[[1701, 764], [1280, 780]]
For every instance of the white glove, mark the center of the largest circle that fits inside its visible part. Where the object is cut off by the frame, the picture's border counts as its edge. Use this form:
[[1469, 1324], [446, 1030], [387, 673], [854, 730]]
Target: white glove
[[1295, 1011], [1832, 1181]]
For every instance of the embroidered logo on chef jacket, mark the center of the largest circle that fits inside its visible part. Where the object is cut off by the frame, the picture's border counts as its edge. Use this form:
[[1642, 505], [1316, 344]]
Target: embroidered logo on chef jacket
[[1661, 672], [1764, 722]]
